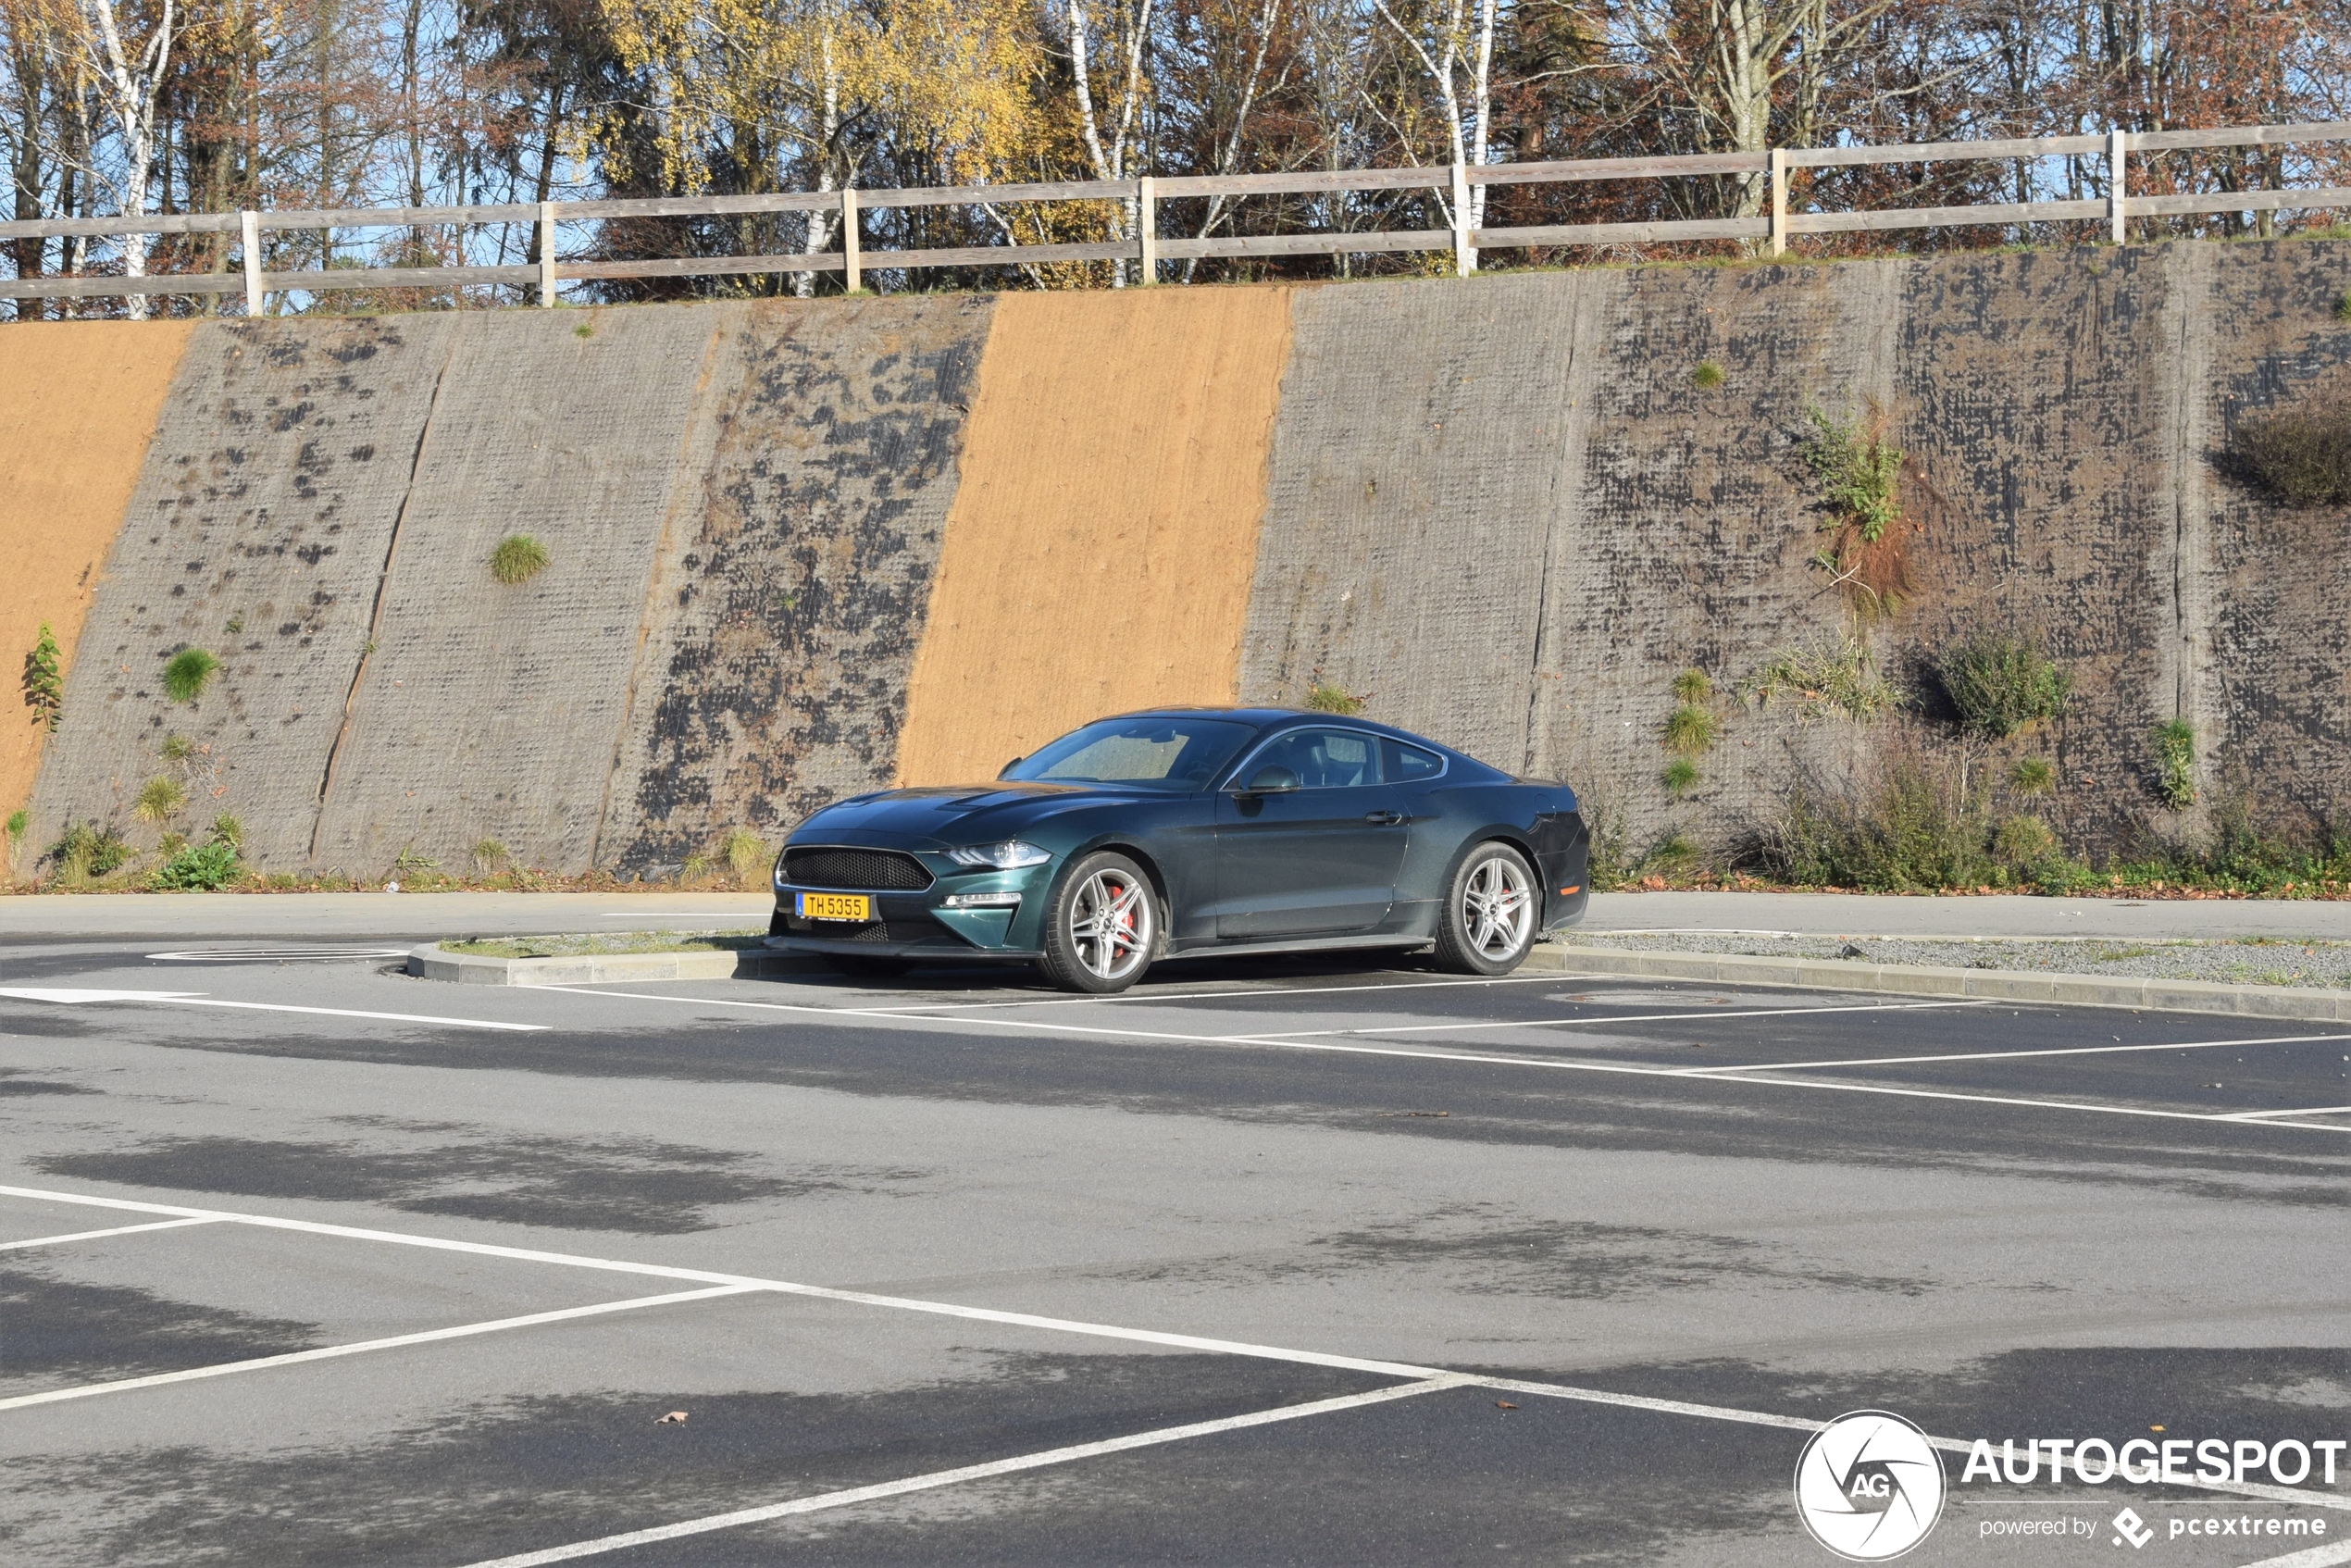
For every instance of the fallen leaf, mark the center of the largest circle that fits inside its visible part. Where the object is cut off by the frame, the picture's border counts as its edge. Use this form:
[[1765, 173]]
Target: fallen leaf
[[1504, 1404], [673, 1418]]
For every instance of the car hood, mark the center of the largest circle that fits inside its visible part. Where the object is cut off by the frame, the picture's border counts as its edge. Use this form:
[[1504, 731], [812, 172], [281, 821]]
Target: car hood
[[945, 817]]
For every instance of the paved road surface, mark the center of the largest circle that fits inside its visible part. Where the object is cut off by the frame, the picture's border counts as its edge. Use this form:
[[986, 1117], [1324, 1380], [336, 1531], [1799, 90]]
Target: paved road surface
[[1302, 1264]]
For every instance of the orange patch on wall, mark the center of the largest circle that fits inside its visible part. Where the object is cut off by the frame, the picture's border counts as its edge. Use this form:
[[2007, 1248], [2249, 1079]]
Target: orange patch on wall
[[78, 404], [1103, 533]]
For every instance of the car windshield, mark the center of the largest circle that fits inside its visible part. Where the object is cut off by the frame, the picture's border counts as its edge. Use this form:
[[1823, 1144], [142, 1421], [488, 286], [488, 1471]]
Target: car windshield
[[1180, 754]]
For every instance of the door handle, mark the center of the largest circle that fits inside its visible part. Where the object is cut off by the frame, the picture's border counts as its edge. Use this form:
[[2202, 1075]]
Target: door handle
[[1384, 818]]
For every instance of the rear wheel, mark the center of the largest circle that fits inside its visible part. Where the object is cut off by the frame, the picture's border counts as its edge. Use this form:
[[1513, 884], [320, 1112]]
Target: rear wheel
[[858, 966], [1489, 919], [1103, 929]]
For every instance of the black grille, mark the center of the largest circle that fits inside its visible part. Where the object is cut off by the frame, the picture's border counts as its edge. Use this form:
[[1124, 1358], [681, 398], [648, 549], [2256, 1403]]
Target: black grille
[[883, 870], [914, 930]]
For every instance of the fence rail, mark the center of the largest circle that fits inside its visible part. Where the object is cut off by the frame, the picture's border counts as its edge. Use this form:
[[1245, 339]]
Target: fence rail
[[1139, 198]]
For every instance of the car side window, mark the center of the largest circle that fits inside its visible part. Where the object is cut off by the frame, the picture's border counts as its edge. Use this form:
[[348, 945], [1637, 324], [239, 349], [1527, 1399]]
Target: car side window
[[1408, 763], [1322, 759]]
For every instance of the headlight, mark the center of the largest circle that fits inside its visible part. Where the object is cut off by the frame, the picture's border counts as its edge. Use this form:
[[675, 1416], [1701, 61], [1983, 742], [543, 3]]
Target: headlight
[[1010, 855]]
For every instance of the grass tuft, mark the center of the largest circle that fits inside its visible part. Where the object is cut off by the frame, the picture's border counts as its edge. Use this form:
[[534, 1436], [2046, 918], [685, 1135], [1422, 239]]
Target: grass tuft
[[2033, 777], [1706, 377], [160, 800], [746, 853], [2174, 741], [490, 857], [1690, 730], [187, 673], [517, 559], [1833, 676], [1681, 776], [1323, 697]]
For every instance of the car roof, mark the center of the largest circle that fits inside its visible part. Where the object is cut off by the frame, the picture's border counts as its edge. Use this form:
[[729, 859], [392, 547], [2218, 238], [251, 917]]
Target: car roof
[[1264, 719]]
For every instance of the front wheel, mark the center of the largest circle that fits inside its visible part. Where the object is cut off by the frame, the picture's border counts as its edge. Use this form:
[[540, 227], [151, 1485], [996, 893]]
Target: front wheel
[[1489, 919], [1103, 928]]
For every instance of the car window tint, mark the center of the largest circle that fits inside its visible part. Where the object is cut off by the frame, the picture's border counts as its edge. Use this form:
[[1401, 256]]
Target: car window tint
[[1322, 759], [1407, 763], [1162, 754]]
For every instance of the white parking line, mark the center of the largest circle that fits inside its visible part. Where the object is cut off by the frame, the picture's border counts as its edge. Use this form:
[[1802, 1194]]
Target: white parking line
[[1628, 1018], [330, 1353], [2312, 1557], [1241, 988], [2030, 1054], [1418, 1374], [989, 1470], [1618, 1070], [95, 1235], [71, 996], [2309, 1111]]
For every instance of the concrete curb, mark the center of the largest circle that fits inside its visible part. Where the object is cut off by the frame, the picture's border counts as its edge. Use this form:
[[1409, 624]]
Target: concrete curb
[[473, 969], [2311, 1006]]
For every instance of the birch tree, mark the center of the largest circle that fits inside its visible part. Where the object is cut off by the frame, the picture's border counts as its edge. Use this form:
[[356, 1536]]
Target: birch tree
[[130, 76]]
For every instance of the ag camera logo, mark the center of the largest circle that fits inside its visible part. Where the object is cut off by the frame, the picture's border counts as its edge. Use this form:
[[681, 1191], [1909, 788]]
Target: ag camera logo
[[1869, 1485]]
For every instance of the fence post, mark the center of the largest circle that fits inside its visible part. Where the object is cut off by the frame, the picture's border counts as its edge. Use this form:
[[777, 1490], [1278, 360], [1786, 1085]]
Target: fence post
[[1778, 243], [1464, 253], [546, 254], [852, 270], [249, 228], [1147, 227], [2117, 177]]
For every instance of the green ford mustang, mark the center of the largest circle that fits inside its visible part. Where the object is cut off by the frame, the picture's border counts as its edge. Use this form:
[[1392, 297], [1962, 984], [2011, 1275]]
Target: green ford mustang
[[1183, 832]]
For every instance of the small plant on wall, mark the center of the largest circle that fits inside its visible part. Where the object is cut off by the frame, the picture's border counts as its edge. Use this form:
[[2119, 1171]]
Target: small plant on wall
[[187, 673], [2299, 457], [1859, 472], [1690, 731], [1324, 696], [45, 691], [2002, 684], [518, 558], [2174, 741]]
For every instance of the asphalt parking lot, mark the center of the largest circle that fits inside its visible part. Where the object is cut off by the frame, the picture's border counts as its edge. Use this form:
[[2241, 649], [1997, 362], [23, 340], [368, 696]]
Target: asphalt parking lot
[[303, 1261]]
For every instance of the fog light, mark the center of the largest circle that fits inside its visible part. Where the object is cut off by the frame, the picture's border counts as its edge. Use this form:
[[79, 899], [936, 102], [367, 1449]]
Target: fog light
[[982, 901]]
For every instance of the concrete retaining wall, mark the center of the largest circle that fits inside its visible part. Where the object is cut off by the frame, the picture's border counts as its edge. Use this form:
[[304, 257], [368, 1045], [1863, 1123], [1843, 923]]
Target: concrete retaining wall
[[803, 549], [791, 591]]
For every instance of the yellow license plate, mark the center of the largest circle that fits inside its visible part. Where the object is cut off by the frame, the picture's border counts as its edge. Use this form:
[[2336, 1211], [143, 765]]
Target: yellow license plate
[[836, 906]]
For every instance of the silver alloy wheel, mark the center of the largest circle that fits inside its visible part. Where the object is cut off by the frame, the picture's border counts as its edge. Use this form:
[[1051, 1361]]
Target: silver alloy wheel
[[1109, 924], [1498, 907]]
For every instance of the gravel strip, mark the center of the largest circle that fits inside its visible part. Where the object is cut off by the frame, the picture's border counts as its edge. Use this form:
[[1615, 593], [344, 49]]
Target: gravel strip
[[2253, 961]]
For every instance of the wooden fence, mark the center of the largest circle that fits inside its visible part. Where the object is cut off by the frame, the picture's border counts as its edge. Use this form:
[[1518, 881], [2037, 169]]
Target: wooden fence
[[1774, 227]]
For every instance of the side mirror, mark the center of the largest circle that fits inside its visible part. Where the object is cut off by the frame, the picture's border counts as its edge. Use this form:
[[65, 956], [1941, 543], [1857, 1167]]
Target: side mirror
[[1006, 770], [1271, 780]]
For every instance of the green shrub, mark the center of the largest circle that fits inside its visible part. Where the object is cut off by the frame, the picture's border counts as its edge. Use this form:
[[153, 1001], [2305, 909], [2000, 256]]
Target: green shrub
[[187, 673], [747, 853], [518, 558], [1859, 471], [2023, 842], [1690, 730], [1834, 677], [227, 829], [87, 850], [2001, 684], [2301, 456], [2033, 776], [160, 800], [1680, 776], [2174, 741], [1706, 377], [1911, 830], [19, 820], [45, 689], [2342, 309], [1324, 698], [204, 868]]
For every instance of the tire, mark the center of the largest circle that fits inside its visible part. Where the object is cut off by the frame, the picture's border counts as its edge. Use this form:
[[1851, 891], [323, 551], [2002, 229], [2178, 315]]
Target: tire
[[858, 966], [1475, 936], [1103, 929]]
